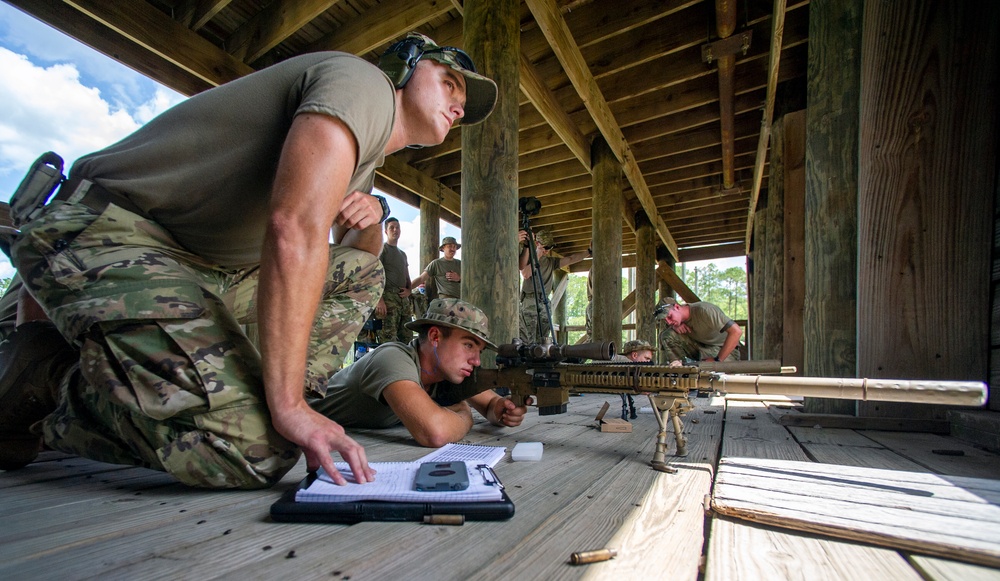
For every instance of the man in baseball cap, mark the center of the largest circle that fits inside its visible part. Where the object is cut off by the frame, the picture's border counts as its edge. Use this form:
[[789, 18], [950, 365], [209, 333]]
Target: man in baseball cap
[[400, 60], [635, 351], [422, 384]]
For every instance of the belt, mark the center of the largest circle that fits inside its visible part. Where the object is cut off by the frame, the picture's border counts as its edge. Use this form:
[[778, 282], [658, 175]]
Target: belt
[[93, 195]]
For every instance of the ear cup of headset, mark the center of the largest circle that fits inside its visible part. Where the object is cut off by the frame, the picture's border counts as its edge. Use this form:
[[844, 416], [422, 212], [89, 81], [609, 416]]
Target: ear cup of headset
[[399, 60]]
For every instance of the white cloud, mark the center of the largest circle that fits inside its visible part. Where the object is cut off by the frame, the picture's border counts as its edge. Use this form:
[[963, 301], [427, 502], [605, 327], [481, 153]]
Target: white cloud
[[50, 109], [46, 108]]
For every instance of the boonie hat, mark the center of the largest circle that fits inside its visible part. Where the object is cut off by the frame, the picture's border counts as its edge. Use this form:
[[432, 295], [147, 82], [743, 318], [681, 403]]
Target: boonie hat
[[480, 91], [457, 314], [636, 345], [449, 240], [544, 237]]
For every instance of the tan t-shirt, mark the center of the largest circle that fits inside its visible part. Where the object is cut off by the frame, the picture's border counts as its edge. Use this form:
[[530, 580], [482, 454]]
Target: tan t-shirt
[[396, 266], [547, 265], [438, 268], [354, 394], [204, 168], [708, 323]]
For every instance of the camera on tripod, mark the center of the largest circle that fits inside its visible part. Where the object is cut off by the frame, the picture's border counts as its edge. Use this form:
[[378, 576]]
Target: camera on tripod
[[529, 206]]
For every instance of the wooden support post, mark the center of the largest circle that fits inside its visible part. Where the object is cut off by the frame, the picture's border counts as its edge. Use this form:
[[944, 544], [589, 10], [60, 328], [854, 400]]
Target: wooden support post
[[560, 279], [490, 277], [607, 236], [794, 136], [430, 232], [645, 278], [772, 252], [831, 202], [926, 180]]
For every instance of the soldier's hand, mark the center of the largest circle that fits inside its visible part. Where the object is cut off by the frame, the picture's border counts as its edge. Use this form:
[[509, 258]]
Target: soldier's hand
[[359, 211], [319, 437], [507, 413], [380, 309]]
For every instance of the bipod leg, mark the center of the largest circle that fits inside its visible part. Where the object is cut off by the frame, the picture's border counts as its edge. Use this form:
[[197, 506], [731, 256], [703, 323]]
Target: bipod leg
[[675, 418], [659, 461]]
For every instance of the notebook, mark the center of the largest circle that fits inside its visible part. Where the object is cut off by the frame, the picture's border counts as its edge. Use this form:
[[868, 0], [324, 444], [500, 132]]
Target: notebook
[[392, 496]]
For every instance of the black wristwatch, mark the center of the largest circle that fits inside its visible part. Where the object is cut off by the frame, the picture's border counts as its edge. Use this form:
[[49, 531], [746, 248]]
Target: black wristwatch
[[385, 208], [716, 358]]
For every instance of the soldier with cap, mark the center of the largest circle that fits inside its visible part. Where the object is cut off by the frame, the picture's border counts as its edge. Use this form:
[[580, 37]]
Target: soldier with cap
[[444, 275], [215, 214], [635, 351], [532, 301], [698, 331], [394, 309], [423, 385]]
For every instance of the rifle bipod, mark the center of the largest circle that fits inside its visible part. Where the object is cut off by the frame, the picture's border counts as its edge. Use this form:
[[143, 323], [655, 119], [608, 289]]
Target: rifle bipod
[[672, 408]]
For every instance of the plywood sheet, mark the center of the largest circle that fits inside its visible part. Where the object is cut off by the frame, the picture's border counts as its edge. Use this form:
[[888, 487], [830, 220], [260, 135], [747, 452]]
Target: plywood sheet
[[954, 517]]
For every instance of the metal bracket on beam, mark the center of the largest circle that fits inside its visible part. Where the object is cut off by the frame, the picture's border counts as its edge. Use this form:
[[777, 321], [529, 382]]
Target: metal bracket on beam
[[727, 46]]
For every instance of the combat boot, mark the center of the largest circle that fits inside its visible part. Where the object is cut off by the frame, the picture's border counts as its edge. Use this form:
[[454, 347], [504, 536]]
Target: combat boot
[[32, 362]]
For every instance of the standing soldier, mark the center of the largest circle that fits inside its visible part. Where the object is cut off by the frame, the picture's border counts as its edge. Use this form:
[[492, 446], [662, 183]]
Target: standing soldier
[[445, 273], [393, 308], [532, 303]]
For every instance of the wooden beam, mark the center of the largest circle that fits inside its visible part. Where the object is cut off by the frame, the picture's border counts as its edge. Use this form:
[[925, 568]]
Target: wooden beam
[[421, 184], [675, 282], [376, 28], [153, 30], [541, 97], [777, 30], [269, 27], [92, 33], [554, 27], [195, 14]]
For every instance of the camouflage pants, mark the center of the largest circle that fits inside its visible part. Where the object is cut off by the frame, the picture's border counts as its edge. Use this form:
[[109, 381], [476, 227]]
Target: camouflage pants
[[167, 378], [397, 313], [677, 346], [531, 313]]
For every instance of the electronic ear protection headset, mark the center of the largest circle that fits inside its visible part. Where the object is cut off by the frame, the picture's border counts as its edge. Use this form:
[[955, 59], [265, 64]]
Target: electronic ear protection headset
[[400, 59]]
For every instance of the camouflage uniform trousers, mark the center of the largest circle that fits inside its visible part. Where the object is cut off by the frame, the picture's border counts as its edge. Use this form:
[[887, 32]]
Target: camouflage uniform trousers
[[676, 346], [531, 313], [398, 312], [167, 379]]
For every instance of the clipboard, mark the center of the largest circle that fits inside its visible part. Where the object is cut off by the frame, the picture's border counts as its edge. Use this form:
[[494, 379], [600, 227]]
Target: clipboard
[[287, 509]]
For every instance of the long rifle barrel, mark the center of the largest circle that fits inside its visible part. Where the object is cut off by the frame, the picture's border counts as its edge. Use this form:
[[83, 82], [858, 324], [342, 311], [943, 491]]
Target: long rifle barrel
[[967, 393]]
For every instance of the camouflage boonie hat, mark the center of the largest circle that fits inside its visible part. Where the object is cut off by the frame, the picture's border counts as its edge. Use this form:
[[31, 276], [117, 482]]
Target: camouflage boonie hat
[[449, 240], [636, 345], [544, 237], [457, 314]]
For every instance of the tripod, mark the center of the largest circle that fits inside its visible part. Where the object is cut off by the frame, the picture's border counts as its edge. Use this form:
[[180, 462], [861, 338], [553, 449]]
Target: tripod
[[538, 285]]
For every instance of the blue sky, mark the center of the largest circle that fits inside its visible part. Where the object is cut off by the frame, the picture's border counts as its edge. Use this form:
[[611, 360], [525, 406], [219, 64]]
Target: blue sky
[[60, 95]]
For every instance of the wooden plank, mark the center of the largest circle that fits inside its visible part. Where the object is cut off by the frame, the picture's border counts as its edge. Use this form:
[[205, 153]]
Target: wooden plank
[[856, 423], [751, 432], [738, 550], [953, 517], [972, 462], [935, 569]]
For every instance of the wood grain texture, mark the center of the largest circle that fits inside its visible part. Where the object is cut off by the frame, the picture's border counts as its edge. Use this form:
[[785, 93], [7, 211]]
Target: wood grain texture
[[928, 154]]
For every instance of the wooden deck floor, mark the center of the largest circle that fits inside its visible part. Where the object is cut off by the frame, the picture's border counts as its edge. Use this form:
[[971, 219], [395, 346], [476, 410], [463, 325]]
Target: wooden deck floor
[[68, 518]]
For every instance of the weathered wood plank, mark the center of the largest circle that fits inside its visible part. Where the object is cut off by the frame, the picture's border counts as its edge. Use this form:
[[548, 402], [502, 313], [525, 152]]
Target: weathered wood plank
[[740, 550], [953, 517], [935, 569], [751, 432], [920, 448]]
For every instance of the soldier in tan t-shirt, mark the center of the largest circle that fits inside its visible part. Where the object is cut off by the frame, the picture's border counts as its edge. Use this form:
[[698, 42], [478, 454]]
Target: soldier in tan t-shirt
[[215, 214], [699, 331]]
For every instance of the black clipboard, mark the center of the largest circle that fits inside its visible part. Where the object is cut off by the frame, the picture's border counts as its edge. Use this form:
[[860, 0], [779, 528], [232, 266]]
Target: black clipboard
[[287, 509]]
